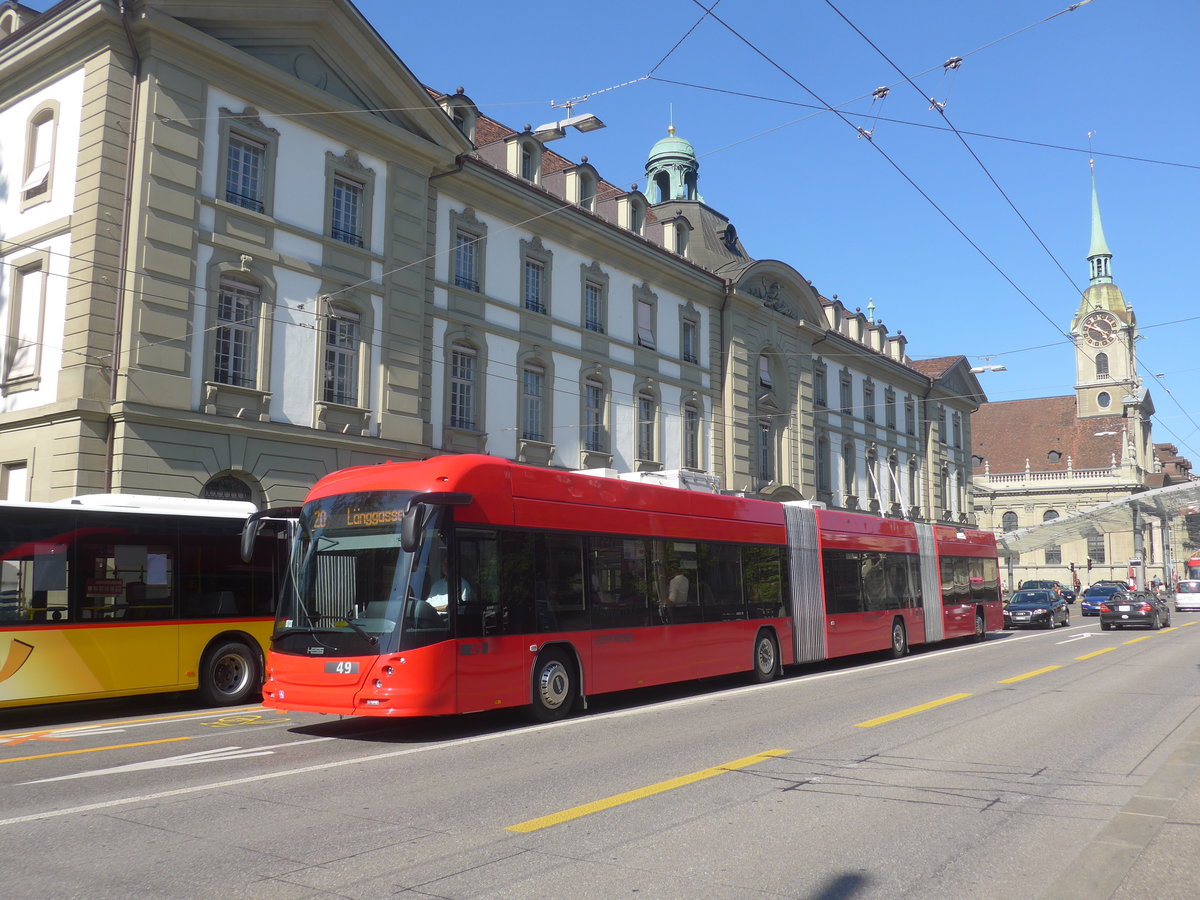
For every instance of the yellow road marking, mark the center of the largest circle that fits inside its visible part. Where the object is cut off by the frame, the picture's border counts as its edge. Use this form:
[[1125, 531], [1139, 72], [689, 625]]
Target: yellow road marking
[[586, 809], [1096, 653], [1186, 624], [81, 730], [912, 710], [1017, 678], [1144, 637], [93, 749]]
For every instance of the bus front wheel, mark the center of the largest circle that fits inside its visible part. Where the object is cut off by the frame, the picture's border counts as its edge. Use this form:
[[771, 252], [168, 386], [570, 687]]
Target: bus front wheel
[[899, 639], [229, 674], [766, 657], [553, 687]]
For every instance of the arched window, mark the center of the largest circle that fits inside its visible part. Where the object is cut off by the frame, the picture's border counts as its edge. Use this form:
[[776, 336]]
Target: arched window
[[1101, 365], [1009, 521], [662, 183], [1053, 551], [226, 487]]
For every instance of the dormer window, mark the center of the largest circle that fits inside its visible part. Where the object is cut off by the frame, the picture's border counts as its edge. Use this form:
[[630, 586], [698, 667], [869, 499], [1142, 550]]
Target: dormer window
[[587, 191], [681, 239], [1053, 457]]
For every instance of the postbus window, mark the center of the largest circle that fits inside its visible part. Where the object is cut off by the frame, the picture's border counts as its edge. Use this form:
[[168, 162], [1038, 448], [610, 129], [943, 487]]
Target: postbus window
[[764, 576], [33, 583], [214, 582], [126, 579]]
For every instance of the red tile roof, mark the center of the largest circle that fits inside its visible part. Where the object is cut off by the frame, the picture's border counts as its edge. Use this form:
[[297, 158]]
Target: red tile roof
[[1009, 433]]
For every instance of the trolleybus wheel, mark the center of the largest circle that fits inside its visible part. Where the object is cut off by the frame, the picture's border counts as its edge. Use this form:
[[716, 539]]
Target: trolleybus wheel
[[980, 627], [229, 673], [553, 686], [899, 639], [766, 657]]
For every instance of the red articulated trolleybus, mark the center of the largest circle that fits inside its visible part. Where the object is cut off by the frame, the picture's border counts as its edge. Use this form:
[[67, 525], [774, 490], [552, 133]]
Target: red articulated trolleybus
[[466, 583], [1191, 569]]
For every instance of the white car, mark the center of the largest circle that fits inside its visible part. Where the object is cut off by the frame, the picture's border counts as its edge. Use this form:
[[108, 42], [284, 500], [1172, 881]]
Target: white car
[[1187, 596]]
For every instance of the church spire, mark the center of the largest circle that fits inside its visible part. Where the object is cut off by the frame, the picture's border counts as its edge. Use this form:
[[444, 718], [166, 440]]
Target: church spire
[[1099, 256]]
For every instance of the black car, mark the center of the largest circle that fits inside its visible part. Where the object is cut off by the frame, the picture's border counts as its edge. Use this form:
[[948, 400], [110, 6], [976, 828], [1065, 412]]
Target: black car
[[1036, 609], [1049, 585], [1134, 608]]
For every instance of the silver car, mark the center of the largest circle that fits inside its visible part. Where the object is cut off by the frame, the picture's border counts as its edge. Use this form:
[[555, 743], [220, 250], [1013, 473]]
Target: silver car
[[1187, 596]]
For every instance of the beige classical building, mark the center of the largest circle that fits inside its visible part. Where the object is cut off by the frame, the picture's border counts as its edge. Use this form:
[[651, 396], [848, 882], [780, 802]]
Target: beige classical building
[[1041, 459], [237, 256]]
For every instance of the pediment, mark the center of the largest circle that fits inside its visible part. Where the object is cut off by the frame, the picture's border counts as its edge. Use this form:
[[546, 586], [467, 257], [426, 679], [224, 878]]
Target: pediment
[[781, 288]]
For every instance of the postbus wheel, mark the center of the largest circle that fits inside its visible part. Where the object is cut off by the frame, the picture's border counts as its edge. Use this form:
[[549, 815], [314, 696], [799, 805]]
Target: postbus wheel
[[766, 657], [554, 690], [899, 639], [229, 673]]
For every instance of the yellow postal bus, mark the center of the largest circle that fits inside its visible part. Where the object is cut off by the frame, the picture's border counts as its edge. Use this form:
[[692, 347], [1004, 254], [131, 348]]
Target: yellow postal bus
[[110, 595]]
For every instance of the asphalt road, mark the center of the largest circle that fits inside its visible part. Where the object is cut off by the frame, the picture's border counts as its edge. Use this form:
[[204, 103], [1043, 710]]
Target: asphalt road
[[995, 770]]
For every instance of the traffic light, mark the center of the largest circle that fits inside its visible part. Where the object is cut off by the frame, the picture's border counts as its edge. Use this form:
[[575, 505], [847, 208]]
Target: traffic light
[[1072, 568], [1089, 564]]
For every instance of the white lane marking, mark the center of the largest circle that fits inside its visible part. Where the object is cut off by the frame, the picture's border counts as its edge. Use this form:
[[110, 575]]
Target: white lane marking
[[217, 754], [1078, 637]]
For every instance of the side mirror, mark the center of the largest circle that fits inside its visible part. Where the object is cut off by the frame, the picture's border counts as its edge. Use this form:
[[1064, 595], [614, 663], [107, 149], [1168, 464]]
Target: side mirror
[[411, 526]]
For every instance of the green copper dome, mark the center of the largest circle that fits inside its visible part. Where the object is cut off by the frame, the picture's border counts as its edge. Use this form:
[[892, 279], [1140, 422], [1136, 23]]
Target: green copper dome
[[671, 170], [671, 146]]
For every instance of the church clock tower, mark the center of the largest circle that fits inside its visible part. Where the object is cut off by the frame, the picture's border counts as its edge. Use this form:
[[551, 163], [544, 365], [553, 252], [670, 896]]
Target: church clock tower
[[1105, 332]]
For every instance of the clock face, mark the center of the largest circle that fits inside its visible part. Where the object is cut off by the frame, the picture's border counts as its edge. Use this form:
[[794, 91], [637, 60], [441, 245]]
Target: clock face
[[1099, 329]]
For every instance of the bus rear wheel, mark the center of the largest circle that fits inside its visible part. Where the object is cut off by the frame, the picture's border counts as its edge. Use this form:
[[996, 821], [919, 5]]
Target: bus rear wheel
[[553, 687], [229, 674], [899, 639], [766, 657], [980, 627]]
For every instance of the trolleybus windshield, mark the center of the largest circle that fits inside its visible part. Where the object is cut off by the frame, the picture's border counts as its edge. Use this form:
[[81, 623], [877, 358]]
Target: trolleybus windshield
[[353, 589]]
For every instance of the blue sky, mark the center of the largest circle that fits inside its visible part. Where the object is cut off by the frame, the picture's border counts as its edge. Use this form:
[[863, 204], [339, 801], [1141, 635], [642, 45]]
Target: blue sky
[[801, 185]]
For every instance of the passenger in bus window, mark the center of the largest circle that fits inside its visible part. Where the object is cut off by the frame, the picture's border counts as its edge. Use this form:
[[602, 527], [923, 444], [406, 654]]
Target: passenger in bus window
[[439, 592], [677, 594]]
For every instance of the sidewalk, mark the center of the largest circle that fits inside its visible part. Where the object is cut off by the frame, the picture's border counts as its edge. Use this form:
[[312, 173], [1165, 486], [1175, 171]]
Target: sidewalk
[[1150, 850]]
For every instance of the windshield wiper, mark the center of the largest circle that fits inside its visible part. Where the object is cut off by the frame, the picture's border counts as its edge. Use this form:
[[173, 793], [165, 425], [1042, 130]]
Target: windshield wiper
[[361, 632]]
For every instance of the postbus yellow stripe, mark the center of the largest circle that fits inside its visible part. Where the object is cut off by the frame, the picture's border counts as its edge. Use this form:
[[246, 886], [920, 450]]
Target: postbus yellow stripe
[[1017, 678], [587, 809], [93, 750], [911, 711]]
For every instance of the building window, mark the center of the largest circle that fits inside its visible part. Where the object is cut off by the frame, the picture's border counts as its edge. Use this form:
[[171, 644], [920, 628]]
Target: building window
[[1009, 521], [1095, 548], [467, 250], [820, 388], [1053, 551], [872, 475], [249, 150], [766, 451], [824, 482], [236, 334], [466, 260], [645, 325], [341, 356], [227, 487], [1053, 457], [528, 166], [957, 425], [1103, 399], [637, 215], [533, 389], [594, 288], [848, 475], [681, 239], [845, 394], [764, 372], [595, 436], [347, 211], [647, 426], [587, 191], [14, 482], [910, 416], [462, 387], [869, 400], [913, 487], [26, 302], [39, 156], [1101, 365], [691, 436], [889, 408], [244, 175], [689, 337], [535, 279], [535, 275]]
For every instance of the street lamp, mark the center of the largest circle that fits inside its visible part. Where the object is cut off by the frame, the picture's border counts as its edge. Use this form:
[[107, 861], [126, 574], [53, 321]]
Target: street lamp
[[975, 370]]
